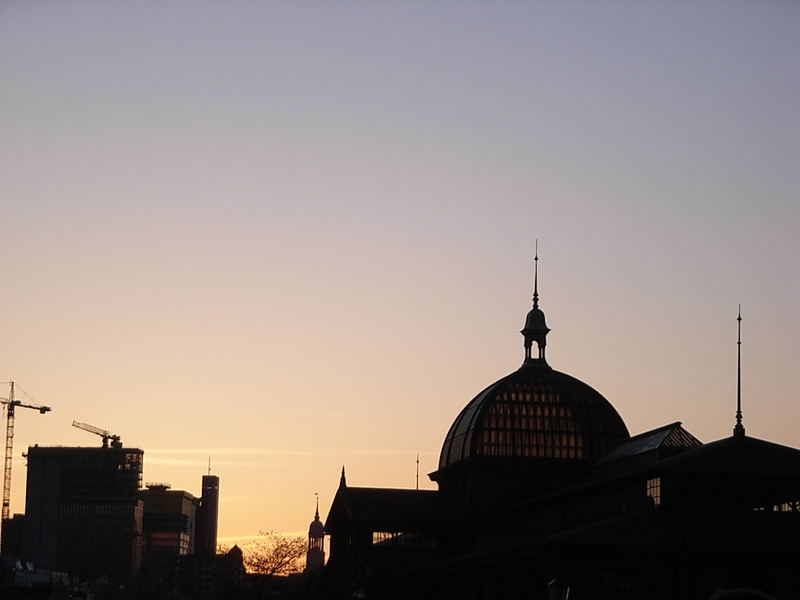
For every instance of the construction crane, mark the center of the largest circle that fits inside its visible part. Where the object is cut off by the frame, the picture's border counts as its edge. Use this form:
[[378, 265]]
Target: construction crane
[[10, 404], [116, 442]]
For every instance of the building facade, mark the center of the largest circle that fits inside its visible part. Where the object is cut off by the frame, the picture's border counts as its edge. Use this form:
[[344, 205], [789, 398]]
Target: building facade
[[207, 516], [83, 515], [168, 525]]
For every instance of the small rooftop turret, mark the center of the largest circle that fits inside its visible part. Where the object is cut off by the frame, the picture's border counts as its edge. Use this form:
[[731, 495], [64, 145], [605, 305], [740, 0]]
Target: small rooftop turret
[[535, 329]]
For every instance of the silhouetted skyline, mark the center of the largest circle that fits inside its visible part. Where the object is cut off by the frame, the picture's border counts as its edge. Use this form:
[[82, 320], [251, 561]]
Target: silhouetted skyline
[[291, 236]]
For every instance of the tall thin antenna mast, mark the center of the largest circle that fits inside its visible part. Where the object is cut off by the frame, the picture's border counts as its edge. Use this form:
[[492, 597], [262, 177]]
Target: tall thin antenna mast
[[209, 465], [536, 276], [417, 470], [738, 429]]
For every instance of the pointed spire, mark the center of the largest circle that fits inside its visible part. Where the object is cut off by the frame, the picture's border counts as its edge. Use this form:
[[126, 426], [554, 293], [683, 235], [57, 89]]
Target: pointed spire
[[342, 479], [315, 554], [738, 429], [535, 329]]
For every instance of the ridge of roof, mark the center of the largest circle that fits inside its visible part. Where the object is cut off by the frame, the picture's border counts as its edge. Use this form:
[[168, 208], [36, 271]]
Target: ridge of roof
[[753, 455], [650, 440]]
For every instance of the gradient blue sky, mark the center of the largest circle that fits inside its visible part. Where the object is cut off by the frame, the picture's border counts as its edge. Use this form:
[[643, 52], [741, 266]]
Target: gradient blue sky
[[292, 235]]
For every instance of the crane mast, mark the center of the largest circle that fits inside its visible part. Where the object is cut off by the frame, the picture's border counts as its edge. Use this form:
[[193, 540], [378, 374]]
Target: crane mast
[[8, 455], [10, 404]]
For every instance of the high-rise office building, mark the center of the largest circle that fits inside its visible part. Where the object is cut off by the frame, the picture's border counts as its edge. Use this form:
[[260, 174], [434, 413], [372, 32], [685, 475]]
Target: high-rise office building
[[83, 515], [206, 534], [168, 531]]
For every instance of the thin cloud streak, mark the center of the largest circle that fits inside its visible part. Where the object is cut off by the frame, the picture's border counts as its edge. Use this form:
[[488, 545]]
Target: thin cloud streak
[[387, 451], [325, 413], [234, 451], [271, 451], [230, 499], [227, 463]]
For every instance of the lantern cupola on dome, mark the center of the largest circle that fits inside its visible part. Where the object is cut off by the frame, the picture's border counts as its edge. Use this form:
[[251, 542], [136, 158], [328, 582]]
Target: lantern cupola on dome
[[535, 329]]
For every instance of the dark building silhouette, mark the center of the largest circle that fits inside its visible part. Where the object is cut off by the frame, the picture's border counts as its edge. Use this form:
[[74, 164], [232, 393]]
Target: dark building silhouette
[[83, 515], [207, 515], [13, 529], [217, 577], [168, 525], [542, 493], [315, 554]]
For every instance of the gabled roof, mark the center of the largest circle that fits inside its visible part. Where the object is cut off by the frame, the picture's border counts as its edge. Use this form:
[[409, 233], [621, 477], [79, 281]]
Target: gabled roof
[[737, 455], [388, 509], [667, 436]]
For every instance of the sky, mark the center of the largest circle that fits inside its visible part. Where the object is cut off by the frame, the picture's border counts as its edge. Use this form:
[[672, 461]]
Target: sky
[[291, 236]]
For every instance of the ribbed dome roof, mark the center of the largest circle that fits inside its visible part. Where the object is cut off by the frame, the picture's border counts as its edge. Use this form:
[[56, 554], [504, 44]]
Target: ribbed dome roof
[[535, 412]]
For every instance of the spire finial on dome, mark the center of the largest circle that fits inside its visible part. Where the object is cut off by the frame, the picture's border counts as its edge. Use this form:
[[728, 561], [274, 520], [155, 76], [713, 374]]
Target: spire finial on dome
[[738, 429], [535, 329], [316, 512]]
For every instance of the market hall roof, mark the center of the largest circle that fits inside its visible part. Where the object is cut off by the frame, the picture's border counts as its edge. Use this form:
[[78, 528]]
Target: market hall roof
[[737, 455], [535, 411], [667, 436], [387, 508]]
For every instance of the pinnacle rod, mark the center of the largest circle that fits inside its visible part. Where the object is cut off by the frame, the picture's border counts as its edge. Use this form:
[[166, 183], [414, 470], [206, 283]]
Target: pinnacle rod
[[536, 276], [739, 428]]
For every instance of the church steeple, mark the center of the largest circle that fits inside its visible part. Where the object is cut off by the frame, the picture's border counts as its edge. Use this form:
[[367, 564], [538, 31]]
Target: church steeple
[[315, 554], [535, 329]]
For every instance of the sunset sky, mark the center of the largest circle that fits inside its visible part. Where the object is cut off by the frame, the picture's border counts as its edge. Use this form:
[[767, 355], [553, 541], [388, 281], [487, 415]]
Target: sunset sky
[[290, 236]]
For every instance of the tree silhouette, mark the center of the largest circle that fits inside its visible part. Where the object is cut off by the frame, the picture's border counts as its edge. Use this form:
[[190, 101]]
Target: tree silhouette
[[275, 554]]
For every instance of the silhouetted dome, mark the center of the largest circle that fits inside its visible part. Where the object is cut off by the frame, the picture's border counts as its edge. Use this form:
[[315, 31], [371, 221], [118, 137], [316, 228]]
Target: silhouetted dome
[[535, 412], [316, 529], [535, 320]]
